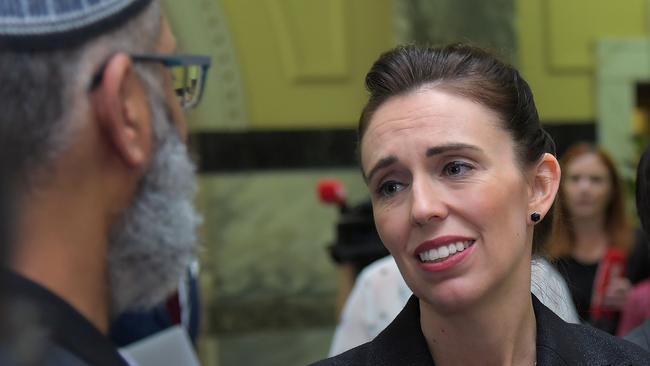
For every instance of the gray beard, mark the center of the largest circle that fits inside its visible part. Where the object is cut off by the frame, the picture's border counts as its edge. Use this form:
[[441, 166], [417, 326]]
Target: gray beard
[[155, 241]]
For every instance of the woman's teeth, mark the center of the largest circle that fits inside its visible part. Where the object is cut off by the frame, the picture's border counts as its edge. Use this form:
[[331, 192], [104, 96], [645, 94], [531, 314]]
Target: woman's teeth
[[440, 253]]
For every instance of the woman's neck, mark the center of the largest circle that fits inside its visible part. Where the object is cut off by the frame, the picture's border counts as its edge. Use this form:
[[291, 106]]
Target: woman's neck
[[590, 239], [500, 332]]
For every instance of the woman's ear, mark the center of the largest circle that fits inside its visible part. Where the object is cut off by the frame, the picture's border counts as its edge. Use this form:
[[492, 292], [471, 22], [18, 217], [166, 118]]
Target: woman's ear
[[544, 184], [122, 110]]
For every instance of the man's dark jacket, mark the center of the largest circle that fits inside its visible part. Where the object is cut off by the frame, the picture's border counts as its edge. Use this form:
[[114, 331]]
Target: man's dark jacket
[[558, 343], [47, 331]]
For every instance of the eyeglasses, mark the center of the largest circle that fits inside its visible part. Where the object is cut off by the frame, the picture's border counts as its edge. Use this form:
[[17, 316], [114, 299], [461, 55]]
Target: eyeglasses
[[188, 72]]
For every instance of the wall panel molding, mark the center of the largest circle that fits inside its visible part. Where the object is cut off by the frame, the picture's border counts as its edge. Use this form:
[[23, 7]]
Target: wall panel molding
[[572, 29], [313, 47]]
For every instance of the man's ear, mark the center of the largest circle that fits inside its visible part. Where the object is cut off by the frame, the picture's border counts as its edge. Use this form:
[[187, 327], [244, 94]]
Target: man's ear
[[122, 110], [544, 184]]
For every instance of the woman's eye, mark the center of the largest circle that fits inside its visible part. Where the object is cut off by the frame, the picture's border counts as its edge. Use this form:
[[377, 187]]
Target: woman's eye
[[597, 179], [456, 168], [388, 189]]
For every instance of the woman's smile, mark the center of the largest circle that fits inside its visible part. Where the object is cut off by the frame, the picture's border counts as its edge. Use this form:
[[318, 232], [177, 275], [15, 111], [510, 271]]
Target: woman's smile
[[443, 252]]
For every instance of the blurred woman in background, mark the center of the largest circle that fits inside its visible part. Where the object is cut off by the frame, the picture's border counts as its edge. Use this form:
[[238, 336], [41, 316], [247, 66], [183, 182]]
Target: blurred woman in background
[[591, 235]]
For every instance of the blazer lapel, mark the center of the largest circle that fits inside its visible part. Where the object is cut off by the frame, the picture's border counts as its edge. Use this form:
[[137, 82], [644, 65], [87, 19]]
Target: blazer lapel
[[402, 342]]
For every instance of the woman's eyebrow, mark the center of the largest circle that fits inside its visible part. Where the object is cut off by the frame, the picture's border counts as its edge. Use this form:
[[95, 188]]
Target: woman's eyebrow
[[381, 164], [437, 150]]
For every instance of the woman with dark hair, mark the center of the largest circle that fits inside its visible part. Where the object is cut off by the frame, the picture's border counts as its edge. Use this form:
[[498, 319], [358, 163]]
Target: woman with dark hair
[[462, 178], [591, 235]]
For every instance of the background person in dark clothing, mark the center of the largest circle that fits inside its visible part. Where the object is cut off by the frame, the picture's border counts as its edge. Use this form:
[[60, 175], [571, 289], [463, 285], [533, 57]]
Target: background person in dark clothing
[[104, 220]]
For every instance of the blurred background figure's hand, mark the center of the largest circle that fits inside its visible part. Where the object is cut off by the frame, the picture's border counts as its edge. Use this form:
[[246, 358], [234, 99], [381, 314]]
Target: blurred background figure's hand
[[617, 293]]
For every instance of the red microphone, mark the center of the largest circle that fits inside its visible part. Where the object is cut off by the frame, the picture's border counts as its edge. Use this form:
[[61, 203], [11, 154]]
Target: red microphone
[[332, 192]]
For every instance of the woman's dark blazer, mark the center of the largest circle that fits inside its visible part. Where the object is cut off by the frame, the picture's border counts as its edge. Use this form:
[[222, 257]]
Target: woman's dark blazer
[[558, 343], [640, 335]]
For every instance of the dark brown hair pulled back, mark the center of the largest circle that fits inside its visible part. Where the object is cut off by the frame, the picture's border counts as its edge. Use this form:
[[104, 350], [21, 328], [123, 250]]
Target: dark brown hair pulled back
[[472, 73]]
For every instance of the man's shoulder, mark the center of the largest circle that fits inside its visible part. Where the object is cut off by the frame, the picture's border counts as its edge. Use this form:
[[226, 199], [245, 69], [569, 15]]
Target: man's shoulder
[[48, 326], [59, 357], [48, 354]]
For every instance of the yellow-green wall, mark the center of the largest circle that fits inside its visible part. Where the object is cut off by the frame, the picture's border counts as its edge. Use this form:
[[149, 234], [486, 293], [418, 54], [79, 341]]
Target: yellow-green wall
[[280, 64], [303, 62], [556, 46], [300, 64]]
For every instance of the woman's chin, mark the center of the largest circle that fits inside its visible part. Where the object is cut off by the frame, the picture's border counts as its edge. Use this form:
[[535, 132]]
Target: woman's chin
[[450, 298]]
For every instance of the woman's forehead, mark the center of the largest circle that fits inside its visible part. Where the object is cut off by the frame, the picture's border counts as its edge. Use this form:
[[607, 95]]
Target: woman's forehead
[[433, 112], [587, 162], [431, 118]]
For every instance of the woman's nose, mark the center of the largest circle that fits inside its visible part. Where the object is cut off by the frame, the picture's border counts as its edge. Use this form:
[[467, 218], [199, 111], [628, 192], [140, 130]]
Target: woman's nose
[[427, 203], [584, 184]]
